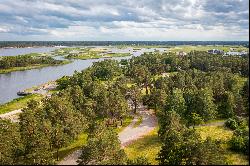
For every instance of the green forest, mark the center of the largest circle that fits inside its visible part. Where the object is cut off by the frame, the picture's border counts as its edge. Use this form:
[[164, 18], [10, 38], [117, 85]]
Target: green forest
[[28, 61], [184, 92]]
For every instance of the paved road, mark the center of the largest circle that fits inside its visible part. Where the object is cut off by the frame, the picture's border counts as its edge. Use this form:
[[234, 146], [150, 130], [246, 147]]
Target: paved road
[[128, 135]]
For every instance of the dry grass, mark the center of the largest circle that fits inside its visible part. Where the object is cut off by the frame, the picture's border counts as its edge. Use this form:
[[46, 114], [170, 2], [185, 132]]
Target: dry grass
[[223, 134], [148, 146]]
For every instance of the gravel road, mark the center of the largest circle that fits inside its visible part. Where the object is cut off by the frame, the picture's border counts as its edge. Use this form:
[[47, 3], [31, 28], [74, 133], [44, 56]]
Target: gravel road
[[128, 135]]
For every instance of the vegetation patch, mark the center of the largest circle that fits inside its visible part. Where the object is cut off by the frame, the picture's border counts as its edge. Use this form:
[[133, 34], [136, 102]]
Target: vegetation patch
[[95, 55], [75, 145], [82, 140], [18, 103], [215, 132], [117, 54], [223, 134], [188, 48], [148, 146], [138, 122], [125, 123]]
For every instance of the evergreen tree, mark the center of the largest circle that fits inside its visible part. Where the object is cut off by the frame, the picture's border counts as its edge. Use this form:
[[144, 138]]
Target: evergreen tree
[[11, 145], [102, 148]]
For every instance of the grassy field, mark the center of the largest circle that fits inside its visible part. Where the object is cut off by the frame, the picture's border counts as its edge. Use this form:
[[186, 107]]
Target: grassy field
[[18, 103], [117, 54], [223, 134], [147, 146], [188, 48], [185, 48], [96, 55], [137, 47]]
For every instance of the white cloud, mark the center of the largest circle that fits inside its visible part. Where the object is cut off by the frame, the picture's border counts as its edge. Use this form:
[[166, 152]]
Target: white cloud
[[124, 20], [4, 29]]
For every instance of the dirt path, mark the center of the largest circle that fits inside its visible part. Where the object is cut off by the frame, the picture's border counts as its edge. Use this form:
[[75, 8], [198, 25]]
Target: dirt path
[[131, 133], [128, 135], [13, 115]]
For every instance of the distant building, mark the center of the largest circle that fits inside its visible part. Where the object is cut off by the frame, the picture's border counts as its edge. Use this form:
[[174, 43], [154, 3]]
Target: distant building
[[215, 51]]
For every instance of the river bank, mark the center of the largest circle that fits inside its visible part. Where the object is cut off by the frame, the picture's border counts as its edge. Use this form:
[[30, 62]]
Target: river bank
[[4, 71], [11, 83], [18, 103], [34, 93]]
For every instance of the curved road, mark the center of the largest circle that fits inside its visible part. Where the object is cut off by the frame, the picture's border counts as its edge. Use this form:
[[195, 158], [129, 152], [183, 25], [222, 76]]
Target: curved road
[[128, 135]]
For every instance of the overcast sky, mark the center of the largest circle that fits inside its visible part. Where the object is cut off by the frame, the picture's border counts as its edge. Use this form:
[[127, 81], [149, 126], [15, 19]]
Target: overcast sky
[[124, 20]]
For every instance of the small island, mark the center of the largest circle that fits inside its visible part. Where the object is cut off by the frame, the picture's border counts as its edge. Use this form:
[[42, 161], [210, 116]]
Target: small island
[[89, 53], [26, 62]]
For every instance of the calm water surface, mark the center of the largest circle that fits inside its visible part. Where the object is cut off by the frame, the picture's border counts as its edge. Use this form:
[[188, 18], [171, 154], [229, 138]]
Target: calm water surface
[[21, 51], [13, 82]]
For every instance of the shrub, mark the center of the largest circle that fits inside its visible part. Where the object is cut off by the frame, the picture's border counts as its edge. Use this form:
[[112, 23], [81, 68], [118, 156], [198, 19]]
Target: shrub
[[231, 123], [240, 141]]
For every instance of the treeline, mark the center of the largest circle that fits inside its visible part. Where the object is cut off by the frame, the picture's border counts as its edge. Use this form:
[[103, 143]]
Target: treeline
[[207, 62], [20, 44], [7, 62], [98, 99]]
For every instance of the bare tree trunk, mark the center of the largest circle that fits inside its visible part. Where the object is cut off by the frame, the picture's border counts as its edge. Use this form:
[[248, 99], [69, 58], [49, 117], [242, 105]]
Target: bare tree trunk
[[146, 89], [135, 106], [57, 154]]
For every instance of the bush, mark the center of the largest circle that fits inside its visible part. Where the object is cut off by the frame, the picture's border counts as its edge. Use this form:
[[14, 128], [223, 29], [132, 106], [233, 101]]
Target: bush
[[239, 144], [237, 123], [240, 141], [231, 123]]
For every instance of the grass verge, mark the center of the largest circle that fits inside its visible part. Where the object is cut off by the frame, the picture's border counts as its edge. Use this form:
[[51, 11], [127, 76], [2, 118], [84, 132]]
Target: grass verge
[[126, 122], [18, 103], [77, 144], [138, 122], [148, 146]]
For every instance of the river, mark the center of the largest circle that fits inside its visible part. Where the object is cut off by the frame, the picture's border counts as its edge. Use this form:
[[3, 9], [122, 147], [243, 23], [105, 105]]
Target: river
[[11, 83], [27, 50]]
